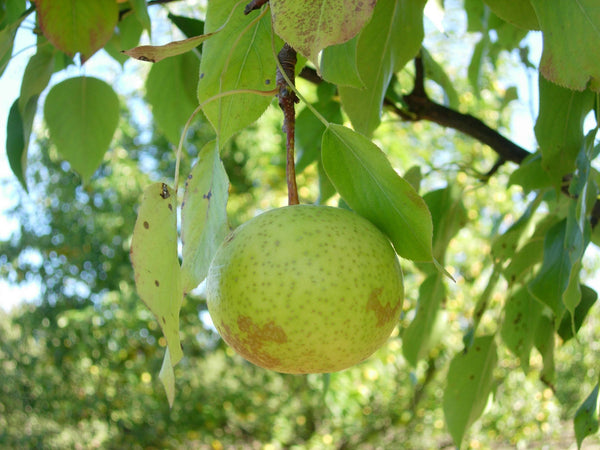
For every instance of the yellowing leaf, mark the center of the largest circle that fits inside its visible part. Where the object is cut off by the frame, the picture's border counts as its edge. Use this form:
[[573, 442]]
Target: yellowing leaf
[[155, 53], [155, 262], [310, 26]]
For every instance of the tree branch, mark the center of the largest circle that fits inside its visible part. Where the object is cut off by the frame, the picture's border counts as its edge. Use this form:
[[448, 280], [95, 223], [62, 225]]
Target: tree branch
[[421, 107]]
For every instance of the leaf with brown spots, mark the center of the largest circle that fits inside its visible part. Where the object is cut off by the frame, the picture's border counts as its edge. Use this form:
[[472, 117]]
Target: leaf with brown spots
[[309, 27], [470, 381], [203, 215], [156, 268]]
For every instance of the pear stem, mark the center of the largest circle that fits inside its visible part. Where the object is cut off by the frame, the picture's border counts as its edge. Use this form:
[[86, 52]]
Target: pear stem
[[287, 100]]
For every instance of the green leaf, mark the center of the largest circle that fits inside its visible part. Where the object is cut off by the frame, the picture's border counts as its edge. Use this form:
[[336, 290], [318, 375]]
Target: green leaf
[[37, 74], [448, 216], [572, 323], [82, 115], [570, 30], [323, 23], [339, 65], [523, 261], [517, 12], [586, 420], [553, 277], [309, 129], [505, 245], [240, 56], [391, 39], [77, 27], [521, 314], [469, 384], [559, 127], [475, 66], [171, 92], [425, 331], [126, 35], [203, 215], [167, 377], [15, 144], [544, 341], [414, 177], [365, 179], [13, 17], [435, 72], [187, 25], [531, 175], [140, 9], [155, 262]]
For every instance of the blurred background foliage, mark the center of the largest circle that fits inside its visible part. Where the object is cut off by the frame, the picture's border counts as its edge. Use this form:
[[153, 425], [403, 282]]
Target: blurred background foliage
[[79, 365]]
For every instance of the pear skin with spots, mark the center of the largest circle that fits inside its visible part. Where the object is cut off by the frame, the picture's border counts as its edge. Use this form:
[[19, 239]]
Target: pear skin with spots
[[305, 289]]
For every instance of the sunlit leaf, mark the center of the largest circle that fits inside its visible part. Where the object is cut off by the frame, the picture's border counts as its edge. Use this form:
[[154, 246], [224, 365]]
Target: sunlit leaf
[[559, 126], [77, 27], [324, 23], [570, 30], [171, 92], [82, 115], [365, 179], [203, 215], [240, 56], [518, 12], [436, 73], [391, 39], [469, 384], [167, 377], [155, 262], [425, 331]]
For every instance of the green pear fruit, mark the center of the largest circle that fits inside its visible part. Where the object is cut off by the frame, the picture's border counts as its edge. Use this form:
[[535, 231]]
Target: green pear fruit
[[305, 289]]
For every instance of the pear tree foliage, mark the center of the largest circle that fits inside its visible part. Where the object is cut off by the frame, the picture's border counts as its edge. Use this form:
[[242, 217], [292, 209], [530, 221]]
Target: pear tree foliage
[[369, 65]]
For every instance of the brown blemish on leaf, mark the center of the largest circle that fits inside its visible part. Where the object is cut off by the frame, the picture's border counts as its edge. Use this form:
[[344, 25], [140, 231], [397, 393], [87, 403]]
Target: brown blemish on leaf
[[251, 340], [156, 283], [208, 195], [383, 313], [170, 207], [146, 224]]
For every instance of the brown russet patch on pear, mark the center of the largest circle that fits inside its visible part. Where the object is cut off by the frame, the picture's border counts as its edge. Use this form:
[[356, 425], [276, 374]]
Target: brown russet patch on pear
[[249, 343], [383, 313]]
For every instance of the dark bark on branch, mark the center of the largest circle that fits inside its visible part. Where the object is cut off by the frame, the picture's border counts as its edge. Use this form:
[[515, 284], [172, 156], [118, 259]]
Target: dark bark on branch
[[422, 107]]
